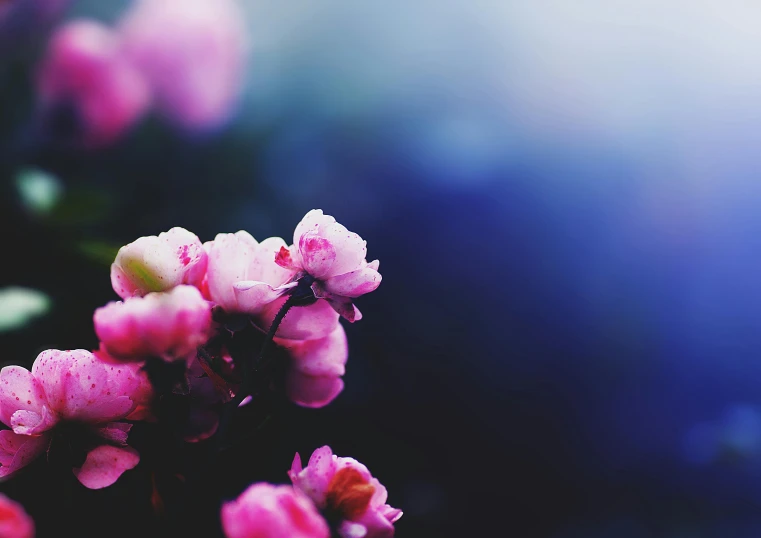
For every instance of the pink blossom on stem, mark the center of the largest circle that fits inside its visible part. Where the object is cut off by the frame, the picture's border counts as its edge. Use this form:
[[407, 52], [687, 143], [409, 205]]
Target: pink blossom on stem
[[267, 511], [158, 263], [241, 275], [170, 325], [193, 52], [14, 521], [345, 489], [314, 376], [335, 258], [85, 70], [70, 387]]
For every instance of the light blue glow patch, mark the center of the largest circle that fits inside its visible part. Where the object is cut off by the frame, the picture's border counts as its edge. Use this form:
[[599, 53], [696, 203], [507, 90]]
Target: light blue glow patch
[[19, 305], [39, 191]]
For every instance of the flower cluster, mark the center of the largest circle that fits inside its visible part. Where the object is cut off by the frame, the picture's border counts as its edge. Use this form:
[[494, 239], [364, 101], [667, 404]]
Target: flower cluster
[[172, 285], [185, 58], [217, 325], [342, 490]]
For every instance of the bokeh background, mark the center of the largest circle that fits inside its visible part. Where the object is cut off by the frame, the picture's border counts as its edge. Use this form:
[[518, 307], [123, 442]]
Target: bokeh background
[[564, 197]]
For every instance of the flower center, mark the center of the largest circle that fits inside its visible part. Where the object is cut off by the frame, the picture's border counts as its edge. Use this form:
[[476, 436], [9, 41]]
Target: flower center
[[348, 494]]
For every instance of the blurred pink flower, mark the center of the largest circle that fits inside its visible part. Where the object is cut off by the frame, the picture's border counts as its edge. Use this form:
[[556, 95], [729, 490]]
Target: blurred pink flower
[[267, 511], [335, 258], [169, 325], [193, 53], [345, 490], [85, 71], [70, 387], [314, 376], [158, 263], [14, 521]]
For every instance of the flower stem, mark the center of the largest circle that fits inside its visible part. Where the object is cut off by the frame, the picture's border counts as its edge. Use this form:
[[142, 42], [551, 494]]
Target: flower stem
[[252, 368]]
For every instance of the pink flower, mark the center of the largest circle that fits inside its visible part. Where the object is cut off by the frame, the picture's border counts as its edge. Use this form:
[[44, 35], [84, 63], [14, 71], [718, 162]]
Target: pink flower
[[14, 521], [344, 489], [335, 258], [314, 376], [85, 71], [158, 263], [170, 325], [193, 54], [70, 388], [267, 511], [241, 275], [243, 278]]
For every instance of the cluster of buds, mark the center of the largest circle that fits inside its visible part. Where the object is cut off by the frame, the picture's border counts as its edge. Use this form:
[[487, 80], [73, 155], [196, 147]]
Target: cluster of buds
[[220, 324]]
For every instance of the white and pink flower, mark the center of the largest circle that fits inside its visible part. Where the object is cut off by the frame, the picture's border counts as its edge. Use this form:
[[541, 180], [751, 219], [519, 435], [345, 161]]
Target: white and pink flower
[[335, 258], [345, 489], [158, 263], [169, 325]]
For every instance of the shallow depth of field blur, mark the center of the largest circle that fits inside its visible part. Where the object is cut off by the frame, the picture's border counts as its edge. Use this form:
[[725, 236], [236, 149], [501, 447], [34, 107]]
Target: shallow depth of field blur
[[565, 198]]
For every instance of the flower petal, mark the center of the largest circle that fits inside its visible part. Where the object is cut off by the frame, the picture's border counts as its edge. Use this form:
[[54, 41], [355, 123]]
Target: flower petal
[[31, 422], [310, 391], [19, 390], [320, 357], [116, 432], [349, 529], [79, 386], [230, 256], [302, 322], [263, 265], [345, 307], [105, 464], [17, 451], [355, 283], [351, 249], [314, 479], [253, 297], [314, 221], [317, 255]]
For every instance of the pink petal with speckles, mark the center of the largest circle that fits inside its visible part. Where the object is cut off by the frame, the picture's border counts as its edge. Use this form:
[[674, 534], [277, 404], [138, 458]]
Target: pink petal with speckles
[[19, 390], [313, 480], [317, 255], [314, 221], [105, 464], [79, 386], [316, 479], [351, 249]]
